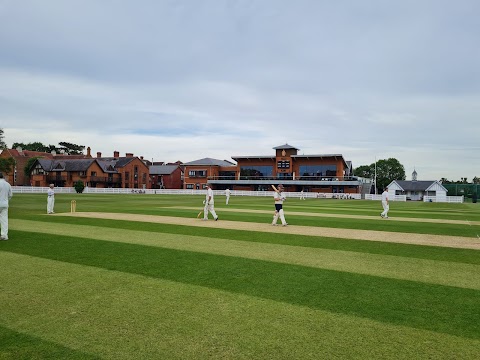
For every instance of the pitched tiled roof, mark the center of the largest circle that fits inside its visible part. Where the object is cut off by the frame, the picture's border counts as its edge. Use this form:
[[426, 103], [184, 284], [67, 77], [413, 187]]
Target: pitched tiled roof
[[65, 165], [118, 162], [107, 165], [422, 185], [285, 147], [162, 169], [29, 153], [209, 162]]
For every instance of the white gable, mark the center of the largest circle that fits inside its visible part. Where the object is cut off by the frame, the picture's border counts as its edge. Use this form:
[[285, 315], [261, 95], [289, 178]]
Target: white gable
[[436, 186], [393, 186]]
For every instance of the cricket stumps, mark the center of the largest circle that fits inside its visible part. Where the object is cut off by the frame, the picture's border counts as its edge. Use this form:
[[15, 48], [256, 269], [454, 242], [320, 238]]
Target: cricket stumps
[[73, 206]]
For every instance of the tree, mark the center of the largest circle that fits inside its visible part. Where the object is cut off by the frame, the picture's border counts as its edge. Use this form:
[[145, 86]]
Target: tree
[[71, 149], [7, 165], [35, 146], [27, 169], [66, 147], [387, 171], [79, 186], [365, 171], [2, 142], [476, 180]]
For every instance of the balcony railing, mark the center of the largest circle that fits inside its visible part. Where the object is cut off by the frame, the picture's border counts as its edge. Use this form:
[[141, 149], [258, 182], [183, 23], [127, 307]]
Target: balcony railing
[[289, 177]]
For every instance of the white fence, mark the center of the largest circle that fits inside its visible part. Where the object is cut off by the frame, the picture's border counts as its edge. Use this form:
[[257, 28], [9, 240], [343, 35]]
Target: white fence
[[89, 190], [308, 195], [390, 197], [444, 199]]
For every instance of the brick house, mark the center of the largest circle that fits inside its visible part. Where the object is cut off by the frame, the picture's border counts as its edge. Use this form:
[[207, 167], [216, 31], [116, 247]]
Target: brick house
[[197, 173], [166, 176], [116, 172], [21, 157]]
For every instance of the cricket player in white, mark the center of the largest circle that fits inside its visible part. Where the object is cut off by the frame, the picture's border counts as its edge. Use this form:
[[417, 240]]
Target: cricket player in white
[[302, 195], [385, 205], [209, 204], [227, 194], [279, 198], [50, 199], [5, 196]]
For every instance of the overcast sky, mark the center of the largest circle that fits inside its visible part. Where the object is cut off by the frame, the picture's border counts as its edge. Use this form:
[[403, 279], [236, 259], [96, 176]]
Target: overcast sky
[[188, 79]]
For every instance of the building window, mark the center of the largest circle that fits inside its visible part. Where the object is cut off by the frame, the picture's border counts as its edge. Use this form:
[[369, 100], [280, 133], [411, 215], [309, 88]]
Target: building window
[[197, 173], [189, 186], [93, 173], [311, 171], [127, 176], [256, 172], [226, 175], [38, 170], [283, 164]]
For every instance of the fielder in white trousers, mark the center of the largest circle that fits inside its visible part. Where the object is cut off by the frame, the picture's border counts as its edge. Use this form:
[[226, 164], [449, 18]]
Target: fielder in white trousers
[[209, 204], [385, 204], [50, 199], [227, 195], [302, 195]]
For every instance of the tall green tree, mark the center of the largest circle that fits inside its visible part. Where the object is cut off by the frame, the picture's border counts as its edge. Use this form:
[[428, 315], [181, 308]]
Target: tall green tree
[[71, 149], [66, 147], [365, 171], [34, 146], [7, 165], [387, 171], [2, 142]]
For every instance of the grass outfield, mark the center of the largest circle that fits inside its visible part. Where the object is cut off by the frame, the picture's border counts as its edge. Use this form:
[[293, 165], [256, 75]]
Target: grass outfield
[[87, 288]]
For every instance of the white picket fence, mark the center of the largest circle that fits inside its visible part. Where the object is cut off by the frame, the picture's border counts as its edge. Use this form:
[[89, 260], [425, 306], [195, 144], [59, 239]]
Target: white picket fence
[[444, 199], [308, 195], [89, 190], [378, 197]]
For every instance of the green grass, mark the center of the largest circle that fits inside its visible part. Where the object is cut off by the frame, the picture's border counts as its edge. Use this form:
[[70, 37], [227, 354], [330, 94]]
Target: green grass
[[93, 288]]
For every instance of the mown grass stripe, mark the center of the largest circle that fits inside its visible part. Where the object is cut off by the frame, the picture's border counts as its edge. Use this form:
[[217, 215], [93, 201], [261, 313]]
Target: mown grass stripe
[[124, 316], [429, 271], [18, 346], [437, 308], [465, 256]]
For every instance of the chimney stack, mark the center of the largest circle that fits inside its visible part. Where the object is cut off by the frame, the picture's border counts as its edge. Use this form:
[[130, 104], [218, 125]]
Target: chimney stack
[[99, 154], [88, 152], [116, 154], [129, 155]]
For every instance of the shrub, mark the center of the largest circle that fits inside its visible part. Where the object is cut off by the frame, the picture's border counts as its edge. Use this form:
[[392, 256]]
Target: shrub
[[79, 186]]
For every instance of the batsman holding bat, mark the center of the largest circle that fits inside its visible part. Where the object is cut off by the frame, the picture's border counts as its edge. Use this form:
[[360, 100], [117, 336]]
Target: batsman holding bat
[[279, 198]]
